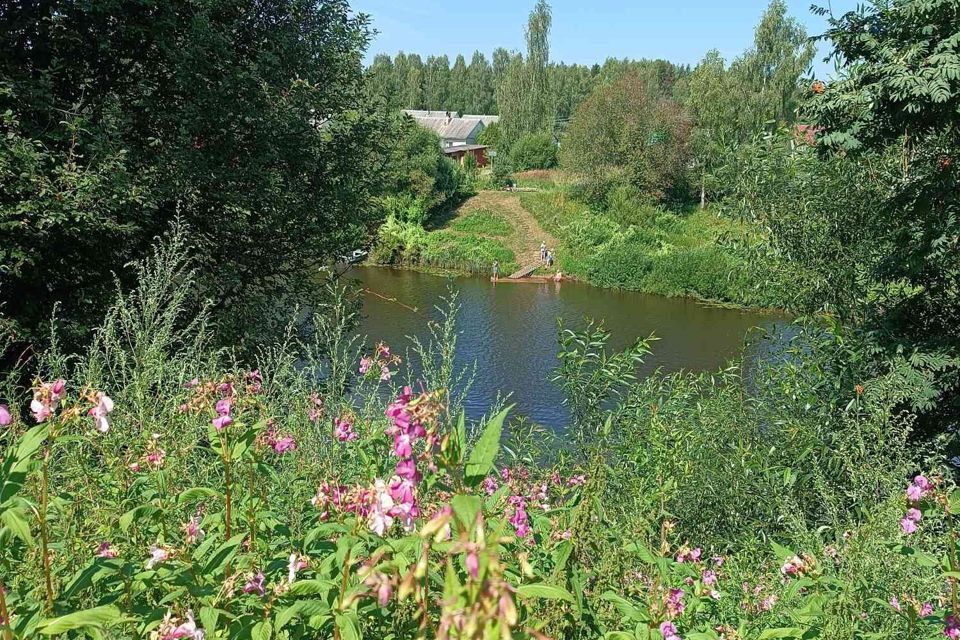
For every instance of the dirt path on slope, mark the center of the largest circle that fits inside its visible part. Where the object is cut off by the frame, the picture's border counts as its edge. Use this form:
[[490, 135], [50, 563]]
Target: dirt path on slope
[[527, 233]]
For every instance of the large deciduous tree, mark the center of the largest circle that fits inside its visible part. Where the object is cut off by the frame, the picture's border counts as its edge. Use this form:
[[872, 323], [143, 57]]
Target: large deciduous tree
[[627, 131], [244, 119]]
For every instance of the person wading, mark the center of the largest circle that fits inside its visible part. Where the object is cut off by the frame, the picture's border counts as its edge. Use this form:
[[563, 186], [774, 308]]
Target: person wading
[[496, 270]]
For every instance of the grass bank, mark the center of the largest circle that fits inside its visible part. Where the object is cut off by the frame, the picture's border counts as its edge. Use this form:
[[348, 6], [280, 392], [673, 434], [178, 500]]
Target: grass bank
[[625, 243]]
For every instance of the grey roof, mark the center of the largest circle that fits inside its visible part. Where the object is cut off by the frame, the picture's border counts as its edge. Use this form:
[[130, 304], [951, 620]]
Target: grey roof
[[463, 147], [452, 128], [486, 120], [420, 113]]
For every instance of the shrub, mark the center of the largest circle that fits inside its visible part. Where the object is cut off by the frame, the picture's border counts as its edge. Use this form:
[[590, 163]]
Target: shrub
[[534, 151], [474, 253], [483, 222]]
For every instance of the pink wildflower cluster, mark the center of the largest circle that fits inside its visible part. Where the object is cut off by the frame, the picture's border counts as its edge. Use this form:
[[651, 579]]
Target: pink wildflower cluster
[[316, 407], [46, 398], [5, 417], [923, 609], [343, 429], [223, 419], [527, 492], [669, 631], [255, 584], [106, 551], [952, 629], [102, 407], [153, 457], [756, 600], [158, 555], [380, 361], [296, 564], [686, 554], [172, 628], [519, 518], [674, 603], [795, 566], [192, 531], [919, 489], [272, 439]]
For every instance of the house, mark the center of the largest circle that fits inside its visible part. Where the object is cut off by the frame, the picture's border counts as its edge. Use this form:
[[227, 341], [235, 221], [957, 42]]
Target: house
[[453, 130], [486, 120], [459, 152]]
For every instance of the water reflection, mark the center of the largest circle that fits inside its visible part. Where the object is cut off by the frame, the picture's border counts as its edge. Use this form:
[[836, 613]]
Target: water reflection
[[510, 330]]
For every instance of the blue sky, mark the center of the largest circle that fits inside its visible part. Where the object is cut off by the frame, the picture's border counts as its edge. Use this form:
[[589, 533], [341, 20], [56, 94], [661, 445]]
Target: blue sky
[[583, 31]]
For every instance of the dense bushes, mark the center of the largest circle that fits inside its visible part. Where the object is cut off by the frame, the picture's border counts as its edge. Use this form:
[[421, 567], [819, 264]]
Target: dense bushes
[[164, 490], [405, 243], [534, 151]]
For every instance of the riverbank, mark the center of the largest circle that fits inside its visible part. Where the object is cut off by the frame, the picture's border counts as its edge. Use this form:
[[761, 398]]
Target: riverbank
[[627, 244]]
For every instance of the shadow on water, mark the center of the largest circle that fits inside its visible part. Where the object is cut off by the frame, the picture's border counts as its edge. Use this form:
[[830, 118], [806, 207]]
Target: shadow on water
[[510, 331]]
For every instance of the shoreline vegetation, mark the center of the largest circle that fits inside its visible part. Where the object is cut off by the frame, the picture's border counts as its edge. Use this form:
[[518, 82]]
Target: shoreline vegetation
[[631, 244]]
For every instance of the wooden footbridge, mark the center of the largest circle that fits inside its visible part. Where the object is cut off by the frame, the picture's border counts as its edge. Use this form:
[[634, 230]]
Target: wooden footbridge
[[525, 271]]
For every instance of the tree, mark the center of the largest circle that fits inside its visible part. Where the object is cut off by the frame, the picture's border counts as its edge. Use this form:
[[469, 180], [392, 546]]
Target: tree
[[707, 97], [436, 84], [381, 80], [766, 76], [479, 86], [625, 131], [413, 83], [244, 120], [458, 86], [524, 99]]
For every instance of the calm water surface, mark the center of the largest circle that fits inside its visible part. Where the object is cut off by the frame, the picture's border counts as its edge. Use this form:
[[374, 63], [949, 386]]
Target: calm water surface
[[510, 330]]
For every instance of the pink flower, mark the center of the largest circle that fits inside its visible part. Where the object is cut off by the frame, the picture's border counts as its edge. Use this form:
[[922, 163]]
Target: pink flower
[[490, 485], [689, 555], [296, 564], [407, 469], [402, 445], [100, 412], [40, 410], [56, 391], [158, 555], [926, 609], [768, 603], [193, 383], [385, 373], [472, 561], [576, 481], [918, 489], [669, 631], [379, 518], [365, 363], [255, 584], [379, 582], [343, 430], [404, 502], [134, 467], [284, 444], [106, 550], [519, 519], [5, 417], [193, 531], [187, 630], [792, 566], [895, 603], [222, 422], [255, 381], [156, 457], [908, 526], [675, 605], [952, 630], [709, 578], [223, 406], [914, 514]]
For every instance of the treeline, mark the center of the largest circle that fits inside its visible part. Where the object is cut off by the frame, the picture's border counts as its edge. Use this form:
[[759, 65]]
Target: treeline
[[409, 81]]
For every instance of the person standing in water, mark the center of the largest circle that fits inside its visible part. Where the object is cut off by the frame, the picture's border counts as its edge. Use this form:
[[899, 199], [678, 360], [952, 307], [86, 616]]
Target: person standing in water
[[496, 270]]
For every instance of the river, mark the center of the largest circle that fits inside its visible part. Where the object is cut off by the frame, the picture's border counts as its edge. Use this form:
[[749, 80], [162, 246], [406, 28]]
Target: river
[[510, 330]]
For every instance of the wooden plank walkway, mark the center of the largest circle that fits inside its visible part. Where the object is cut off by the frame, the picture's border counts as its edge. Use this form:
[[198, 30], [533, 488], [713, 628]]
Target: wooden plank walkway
[[527, 270]]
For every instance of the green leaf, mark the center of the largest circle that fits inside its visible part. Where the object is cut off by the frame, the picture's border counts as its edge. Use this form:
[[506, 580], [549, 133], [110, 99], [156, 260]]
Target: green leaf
[[781, 632], [142, 512], [466, 508], [208, 618], [782, 553], [31, 441], [223, 554], [544, 591], [312, 587], [18, 525], [485, 451], [194, 494], [261, 631], [349, 626], [96, 617]]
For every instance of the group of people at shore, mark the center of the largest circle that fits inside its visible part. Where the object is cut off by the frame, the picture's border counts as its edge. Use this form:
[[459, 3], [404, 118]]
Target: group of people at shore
[[546, 255]]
